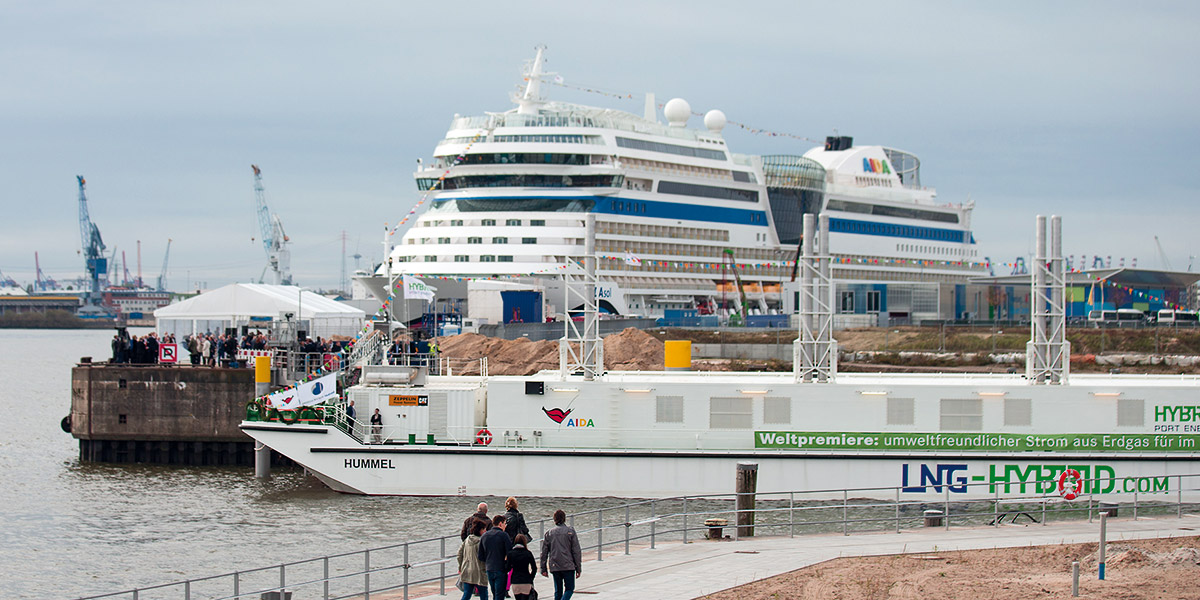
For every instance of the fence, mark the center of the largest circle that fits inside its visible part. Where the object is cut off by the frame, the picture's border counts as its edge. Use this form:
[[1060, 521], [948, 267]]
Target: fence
[[428, 566]]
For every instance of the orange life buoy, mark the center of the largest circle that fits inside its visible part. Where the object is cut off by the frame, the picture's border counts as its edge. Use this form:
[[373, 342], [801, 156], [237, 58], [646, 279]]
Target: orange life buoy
[[1070, 484], [483, 437]]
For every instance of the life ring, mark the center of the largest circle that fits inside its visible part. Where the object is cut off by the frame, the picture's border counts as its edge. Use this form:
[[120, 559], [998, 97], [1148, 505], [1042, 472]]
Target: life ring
[[483, 437], [1070, 489]]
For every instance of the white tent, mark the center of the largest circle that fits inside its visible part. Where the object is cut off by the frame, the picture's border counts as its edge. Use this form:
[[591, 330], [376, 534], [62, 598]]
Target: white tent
[[255, 304]]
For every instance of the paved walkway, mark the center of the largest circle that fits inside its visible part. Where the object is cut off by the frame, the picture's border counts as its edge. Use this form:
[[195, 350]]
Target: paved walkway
[[682, 571]]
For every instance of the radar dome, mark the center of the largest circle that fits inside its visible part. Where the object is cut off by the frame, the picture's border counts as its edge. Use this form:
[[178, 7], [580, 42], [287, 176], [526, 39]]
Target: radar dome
[[714, 120], [677, 112]]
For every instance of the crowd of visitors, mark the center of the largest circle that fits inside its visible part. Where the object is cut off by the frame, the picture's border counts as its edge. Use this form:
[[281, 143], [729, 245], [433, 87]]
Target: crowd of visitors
[[494, 556], [212, 350], [131, 349]]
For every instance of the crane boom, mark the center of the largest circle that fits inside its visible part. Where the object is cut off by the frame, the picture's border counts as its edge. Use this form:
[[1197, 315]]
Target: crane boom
[[92, 246], [1162, 255], [162, 276], [271, 228]]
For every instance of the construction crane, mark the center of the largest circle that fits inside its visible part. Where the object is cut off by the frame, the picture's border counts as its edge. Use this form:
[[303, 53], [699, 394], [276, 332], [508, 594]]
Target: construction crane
[[6, 281], [274, 240], [728, 261], [125, 267], [1162, 255], [162, 277], [93, 250], [42, 281]]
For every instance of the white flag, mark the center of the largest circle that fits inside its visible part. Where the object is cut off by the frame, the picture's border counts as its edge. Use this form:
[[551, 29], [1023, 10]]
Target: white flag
[[305, 394], [630, 259], [415, 288]]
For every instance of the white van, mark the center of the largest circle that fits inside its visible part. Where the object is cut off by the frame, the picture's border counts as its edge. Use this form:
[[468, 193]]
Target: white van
[[1177, 317]]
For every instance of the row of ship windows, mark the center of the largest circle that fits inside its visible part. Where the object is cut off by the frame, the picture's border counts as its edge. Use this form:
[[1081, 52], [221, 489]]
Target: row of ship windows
[[488, 223], [881, 210], [667, 231], [936, 250], [534, 139], [954, 414], [676, 149], [927, 233], [430, 258], [521, 158], [673, 249], [473, 240], [463, 182]]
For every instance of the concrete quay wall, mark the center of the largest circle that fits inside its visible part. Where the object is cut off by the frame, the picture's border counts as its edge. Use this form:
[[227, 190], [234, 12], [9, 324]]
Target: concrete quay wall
[[161, 414]]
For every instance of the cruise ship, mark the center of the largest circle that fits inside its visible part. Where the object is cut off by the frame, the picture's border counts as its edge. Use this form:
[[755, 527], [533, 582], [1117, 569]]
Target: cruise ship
[[681, 222]]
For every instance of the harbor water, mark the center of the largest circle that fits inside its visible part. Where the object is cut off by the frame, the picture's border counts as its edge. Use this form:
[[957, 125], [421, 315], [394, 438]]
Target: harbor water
[[73, 528]]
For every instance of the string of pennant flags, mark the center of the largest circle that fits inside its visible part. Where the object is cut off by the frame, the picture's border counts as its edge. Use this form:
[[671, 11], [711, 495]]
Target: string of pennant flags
[[438, 183]]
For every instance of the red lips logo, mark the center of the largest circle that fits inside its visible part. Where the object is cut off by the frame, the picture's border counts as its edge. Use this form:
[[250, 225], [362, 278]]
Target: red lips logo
[[557, 414]]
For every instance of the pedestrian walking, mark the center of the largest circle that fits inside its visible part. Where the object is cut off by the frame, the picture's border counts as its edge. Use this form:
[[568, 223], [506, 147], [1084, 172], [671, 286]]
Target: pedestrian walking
[[480, 515], [493, 551], [562, 556], [514, 520], [523, 568], [471, 577]]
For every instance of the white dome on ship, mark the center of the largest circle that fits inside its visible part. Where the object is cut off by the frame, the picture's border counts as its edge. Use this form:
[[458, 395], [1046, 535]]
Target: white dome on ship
[[677, 111], [714, 120]]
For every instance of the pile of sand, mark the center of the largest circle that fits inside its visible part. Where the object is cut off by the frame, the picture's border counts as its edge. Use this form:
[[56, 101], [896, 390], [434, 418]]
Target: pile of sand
[[1158, 569], [630, 350]]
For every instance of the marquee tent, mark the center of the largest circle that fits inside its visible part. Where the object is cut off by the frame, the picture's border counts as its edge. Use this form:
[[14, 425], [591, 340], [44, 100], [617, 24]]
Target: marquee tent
[[256, 304]]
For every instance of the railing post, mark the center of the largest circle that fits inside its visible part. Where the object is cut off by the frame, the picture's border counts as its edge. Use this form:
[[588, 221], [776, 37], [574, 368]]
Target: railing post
[[237, 585], [406, 568], [996, 506], [652, 524], [897, 510], [187, 590], [600, 535], [845, 511], [627, 528], [325, 564], [685, 516], [135, 595], [947, 507], [282, 581], [791, 514], [736, 530], [367, 575], [442, 587], [1179, 497], [1135, 504]]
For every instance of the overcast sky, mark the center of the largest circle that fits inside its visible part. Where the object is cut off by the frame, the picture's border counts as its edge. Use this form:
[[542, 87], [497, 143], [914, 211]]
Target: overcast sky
[[1084, 109]]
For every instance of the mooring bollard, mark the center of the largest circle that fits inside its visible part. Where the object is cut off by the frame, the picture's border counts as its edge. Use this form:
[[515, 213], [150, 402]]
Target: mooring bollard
[[747, 485]]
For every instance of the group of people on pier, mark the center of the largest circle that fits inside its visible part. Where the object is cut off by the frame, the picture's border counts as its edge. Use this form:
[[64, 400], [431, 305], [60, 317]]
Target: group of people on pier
[[495, 556], [131, 349]]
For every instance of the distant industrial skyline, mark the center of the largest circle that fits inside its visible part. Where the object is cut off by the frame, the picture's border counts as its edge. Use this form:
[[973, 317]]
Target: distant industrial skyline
[[1083, 109]]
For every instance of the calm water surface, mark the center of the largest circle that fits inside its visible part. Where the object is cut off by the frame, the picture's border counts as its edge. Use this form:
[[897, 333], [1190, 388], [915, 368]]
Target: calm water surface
[[72, 528]]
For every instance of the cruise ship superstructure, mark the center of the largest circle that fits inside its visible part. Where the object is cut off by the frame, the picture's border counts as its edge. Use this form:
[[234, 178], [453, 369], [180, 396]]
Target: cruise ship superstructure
[[507, 194]]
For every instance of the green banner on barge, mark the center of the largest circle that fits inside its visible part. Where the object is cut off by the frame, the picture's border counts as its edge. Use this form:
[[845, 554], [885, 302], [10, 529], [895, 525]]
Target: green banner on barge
[[976, 442]]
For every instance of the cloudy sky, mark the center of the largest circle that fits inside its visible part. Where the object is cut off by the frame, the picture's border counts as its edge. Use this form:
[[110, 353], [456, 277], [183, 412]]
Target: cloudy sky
[[1084, 109]]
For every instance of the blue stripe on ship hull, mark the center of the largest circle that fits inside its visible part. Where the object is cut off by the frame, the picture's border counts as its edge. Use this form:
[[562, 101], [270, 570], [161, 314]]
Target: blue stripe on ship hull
[[912, 232], [657, 210]]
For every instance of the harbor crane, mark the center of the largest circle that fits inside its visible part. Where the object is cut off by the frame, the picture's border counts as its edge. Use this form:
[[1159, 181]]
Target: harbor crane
[[162, 277], [274, 240], [1166, 264], [6, 281], [93, 252], [42, 281], [736, 318]]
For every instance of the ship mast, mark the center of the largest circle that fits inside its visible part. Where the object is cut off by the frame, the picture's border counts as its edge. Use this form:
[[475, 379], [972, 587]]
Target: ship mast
[[529, 101]]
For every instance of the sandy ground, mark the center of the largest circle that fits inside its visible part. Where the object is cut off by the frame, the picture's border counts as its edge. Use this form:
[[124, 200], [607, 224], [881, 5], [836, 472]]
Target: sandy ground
[[1152, 569]]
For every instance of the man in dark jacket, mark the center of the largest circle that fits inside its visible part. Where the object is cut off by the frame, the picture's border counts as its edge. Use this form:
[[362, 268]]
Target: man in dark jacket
[[480, 515], [493, 551]]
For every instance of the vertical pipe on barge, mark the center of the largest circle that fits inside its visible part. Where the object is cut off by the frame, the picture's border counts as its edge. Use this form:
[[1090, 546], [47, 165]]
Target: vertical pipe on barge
[[590, 305], [262, 387]]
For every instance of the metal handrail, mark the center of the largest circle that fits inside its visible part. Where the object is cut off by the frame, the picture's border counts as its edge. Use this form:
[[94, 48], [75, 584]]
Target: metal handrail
[[850, 510]]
